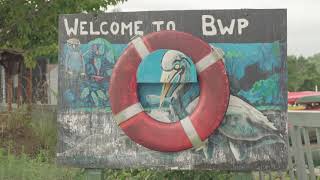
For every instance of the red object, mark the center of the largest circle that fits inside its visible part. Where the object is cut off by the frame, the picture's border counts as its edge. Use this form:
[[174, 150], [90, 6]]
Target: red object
[[98, 78], [170, 137], [294, 96]]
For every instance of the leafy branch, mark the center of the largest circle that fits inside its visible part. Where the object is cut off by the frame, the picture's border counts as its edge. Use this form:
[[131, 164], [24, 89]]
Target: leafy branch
[[32, 25]]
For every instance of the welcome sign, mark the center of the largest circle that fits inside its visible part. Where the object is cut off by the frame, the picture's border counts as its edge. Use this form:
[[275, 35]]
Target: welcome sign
[[115, 28], [173, 89]]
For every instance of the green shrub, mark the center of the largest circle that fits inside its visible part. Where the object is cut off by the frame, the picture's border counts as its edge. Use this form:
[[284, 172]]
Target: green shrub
[[44, 126], [165, 174], [23, 167], [15, 120]]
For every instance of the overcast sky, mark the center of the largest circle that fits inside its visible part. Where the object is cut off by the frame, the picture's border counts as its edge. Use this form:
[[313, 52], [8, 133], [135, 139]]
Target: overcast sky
[[303, 16]]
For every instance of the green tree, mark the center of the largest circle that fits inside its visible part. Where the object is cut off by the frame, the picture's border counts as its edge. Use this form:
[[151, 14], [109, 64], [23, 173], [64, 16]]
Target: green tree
[[303, 73], [31, 26], [294, 73], [312, 77], [316, 60]]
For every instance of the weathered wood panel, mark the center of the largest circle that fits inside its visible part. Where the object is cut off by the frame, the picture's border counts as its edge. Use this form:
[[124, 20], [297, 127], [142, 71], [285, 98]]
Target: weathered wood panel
[[252, 135]]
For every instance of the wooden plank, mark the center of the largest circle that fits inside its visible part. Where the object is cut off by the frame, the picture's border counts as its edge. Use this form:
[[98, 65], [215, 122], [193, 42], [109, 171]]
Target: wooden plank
[[19, 93], [29, 89], [318, 138], [297, 120], [306, 138], [298, 153], [304, 118], [318, 135], [290, 156], [312, 147], [291, 170], [9, 81]]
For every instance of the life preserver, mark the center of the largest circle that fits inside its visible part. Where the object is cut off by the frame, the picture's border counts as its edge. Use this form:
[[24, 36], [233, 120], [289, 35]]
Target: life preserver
[[189, 132]]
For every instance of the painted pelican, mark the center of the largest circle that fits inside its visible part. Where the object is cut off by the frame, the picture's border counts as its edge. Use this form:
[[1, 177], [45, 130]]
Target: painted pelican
[[176, 68], [243, 127]]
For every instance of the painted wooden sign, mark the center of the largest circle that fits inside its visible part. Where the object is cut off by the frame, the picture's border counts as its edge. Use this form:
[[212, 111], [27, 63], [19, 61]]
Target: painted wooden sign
[[173, 89]]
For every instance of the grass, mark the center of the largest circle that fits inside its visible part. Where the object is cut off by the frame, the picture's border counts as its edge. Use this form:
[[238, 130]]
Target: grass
[[44, 126], [166, 174], [27, 148], [31, 132], [14, 167]]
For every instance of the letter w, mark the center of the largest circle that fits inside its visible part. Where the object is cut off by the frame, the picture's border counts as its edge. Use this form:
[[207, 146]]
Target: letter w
[[73, 30], [225, 29]]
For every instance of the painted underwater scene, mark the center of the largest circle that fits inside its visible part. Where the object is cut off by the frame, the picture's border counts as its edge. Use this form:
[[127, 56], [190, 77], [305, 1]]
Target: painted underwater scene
[[262, 90], [253, 130]]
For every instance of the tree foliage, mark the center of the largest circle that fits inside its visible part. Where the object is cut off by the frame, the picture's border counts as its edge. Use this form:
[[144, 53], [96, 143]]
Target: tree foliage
[[32, 25], [303, 73]]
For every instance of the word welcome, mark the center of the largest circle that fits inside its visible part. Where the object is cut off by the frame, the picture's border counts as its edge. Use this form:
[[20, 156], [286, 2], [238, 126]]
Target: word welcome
[[211, 26]]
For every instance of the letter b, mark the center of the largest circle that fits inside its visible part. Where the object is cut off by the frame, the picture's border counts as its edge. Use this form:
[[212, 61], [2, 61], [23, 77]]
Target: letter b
[[208, 28]]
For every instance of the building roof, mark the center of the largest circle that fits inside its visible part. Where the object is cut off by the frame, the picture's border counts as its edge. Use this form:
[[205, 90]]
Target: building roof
[[11, 59]]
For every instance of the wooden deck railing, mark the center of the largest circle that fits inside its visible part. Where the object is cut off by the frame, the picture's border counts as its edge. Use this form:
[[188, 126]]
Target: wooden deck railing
[[304, 149], [304, 144]]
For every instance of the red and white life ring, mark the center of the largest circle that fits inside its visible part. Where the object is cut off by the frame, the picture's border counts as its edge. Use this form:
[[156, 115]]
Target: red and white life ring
[[189, 132]]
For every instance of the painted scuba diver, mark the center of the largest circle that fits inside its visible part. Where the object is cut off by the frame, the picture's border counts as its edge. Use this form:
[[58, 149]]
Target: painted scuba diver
[[93, 62], [243, 127], [98, 65]]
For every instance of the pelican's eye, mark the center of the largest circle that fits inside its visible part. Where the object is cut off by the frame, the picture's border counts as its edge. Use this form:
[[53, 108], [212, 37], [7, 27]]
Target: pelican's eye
[[177, 66]]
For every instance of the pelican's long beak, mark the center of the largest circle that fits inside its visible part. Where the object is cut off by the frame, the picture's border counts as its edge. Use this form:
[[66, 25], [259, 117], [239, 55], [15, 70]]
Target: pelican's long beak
[[166, 79], [164, 92]]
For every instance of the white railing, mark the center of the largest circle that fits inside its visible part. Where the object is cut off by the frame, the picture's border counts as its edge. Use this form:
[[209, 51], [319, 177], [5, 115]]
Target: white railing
[[304, 144], [304, 149]]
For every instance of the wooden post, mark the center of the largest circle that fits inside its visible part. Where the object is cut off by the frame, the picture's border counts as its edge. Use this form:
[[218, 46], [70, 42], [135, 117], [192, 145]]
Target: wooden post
[[9, 89], [93, 174], [10, 93], [19, 93], [29, 88], [6, 87]]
